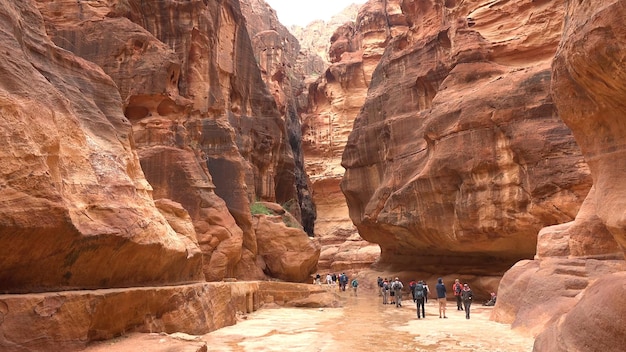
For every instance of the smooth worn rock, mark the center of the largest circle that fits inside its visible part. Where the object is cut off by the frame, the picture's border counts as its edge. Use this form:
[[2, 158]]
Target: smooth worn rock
[[588, 89]]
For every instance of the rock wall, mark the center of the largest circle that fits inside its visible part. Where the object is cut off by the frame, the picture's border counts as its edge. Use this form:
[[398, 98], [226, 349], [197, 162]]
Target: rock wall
[[579, 267], [71, 321], [335, 99], [205, 127], [458, 156], [76, 209], [280, 59]]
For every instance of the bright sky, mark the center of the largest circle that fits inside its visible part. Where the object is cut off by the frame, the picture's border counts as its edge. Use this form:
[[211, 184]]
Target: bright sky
[[302, 12]]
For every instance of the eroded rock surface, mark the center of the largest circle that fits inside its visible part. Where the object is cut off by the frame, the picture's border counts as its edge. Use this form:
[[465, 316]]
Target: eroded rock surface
[[458, 157], [582, 263], [206, 128], [335, 99], [76, 209]]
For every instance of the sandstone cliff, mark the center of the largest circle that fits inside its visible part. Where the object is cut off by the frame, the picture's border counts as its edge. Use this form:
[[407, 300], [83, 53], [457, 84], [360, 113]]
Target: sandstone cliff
[[335, 99], [278, 55], [77, 211], [137, 136], [572, 295], [206, 128], [458, 157]]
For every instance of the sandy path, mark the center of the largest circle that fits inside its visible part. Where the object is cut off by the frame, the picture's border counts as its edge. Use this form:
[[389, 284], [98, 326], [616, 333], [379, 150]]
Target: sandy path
[[365, 324]]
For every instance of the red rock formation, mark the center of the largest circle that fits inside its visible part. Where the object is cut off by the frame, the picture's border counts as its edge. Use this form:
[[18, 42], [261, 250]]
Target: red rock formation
[[279, 58], [70, 321], [205, 126], [580, 266], [76, 208], [335, 100], [458, 157]]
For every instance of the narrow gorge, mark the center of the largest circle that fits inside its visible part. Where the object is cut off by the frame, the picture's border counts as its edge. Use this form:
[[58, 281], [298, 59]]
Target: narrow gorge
[[170, 165]]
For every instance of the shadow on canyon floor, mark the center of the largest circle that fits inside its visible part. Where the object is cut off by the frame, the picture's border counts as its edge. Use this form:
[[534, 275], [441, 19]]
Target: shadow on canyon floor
[[363, 324]]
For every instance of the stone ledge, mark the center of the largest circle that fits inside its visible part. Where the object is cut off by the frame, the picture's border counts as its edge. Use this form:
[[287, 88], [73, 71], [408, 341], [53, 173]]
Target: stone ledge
[[70, 320]]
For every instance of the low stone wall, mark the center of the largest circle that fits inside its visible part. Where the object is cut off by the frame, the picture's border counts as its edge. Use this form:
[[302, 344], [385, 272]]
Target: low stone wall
[[70, 320]]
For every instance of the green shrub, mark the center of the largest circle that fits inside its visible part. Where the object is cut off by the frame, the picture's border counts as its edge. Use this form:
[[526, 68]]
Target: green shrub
[[259, 208]]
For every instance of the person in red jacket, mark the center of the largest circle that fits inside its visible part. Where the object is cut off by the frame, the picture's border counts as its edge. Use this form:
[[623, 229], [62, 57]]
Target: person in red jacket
[[457, 288]]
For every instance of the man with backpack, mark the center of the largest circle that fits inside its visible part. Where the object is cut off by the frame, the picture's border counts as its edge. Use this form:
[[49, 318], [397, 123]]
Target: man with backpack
[[354, 285], [385, 290], [397, 287], [419, 293], [343, 281]]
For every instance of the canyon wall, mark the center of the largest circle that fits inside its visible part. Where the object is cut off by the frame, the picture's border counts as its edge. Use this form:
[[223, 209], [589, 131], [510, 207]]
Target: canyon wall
[[76, 209], [458, 156], [571, 296], [335, 99], [205, 127], [139, 137], [283, 69]]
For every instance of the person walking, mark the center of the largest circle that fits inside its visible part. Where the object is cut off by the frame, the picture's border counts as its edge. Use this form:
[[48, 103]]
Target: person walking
[[385, 291], [427, 291], [343, 281], [379, 282], [419, 293], [397, 287], [457, 288], [441, 298], [354, 284], [467, 295], [412, 284], [329, 279]]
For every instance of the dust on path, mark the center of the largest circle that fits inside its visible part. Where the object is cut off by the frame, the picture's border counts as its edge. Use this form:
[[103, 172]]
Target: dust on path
[[364, 324]]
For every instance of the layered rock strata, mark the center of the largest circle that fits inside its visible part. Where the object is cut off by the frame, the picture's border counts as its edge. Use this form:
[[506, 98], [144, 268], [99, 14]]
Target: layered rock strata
[[458, 157], [76, 209], [136, 134], [335, 100], [579, 269], [283, 69], [205, 127]]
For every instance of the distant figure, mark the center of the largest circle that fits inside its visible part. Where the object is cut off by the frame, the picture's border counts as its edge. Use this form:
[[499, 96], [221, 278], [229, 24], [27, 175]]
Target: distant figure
[[441, 297], [457, 288], [467, 295], [385, 291], [318, 279], [419, 293], [412, 284], [397, 287], [334, 278], [329, 279], [343, 281], [427, 292], [492, 301], [354, 285], [379, 282]]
